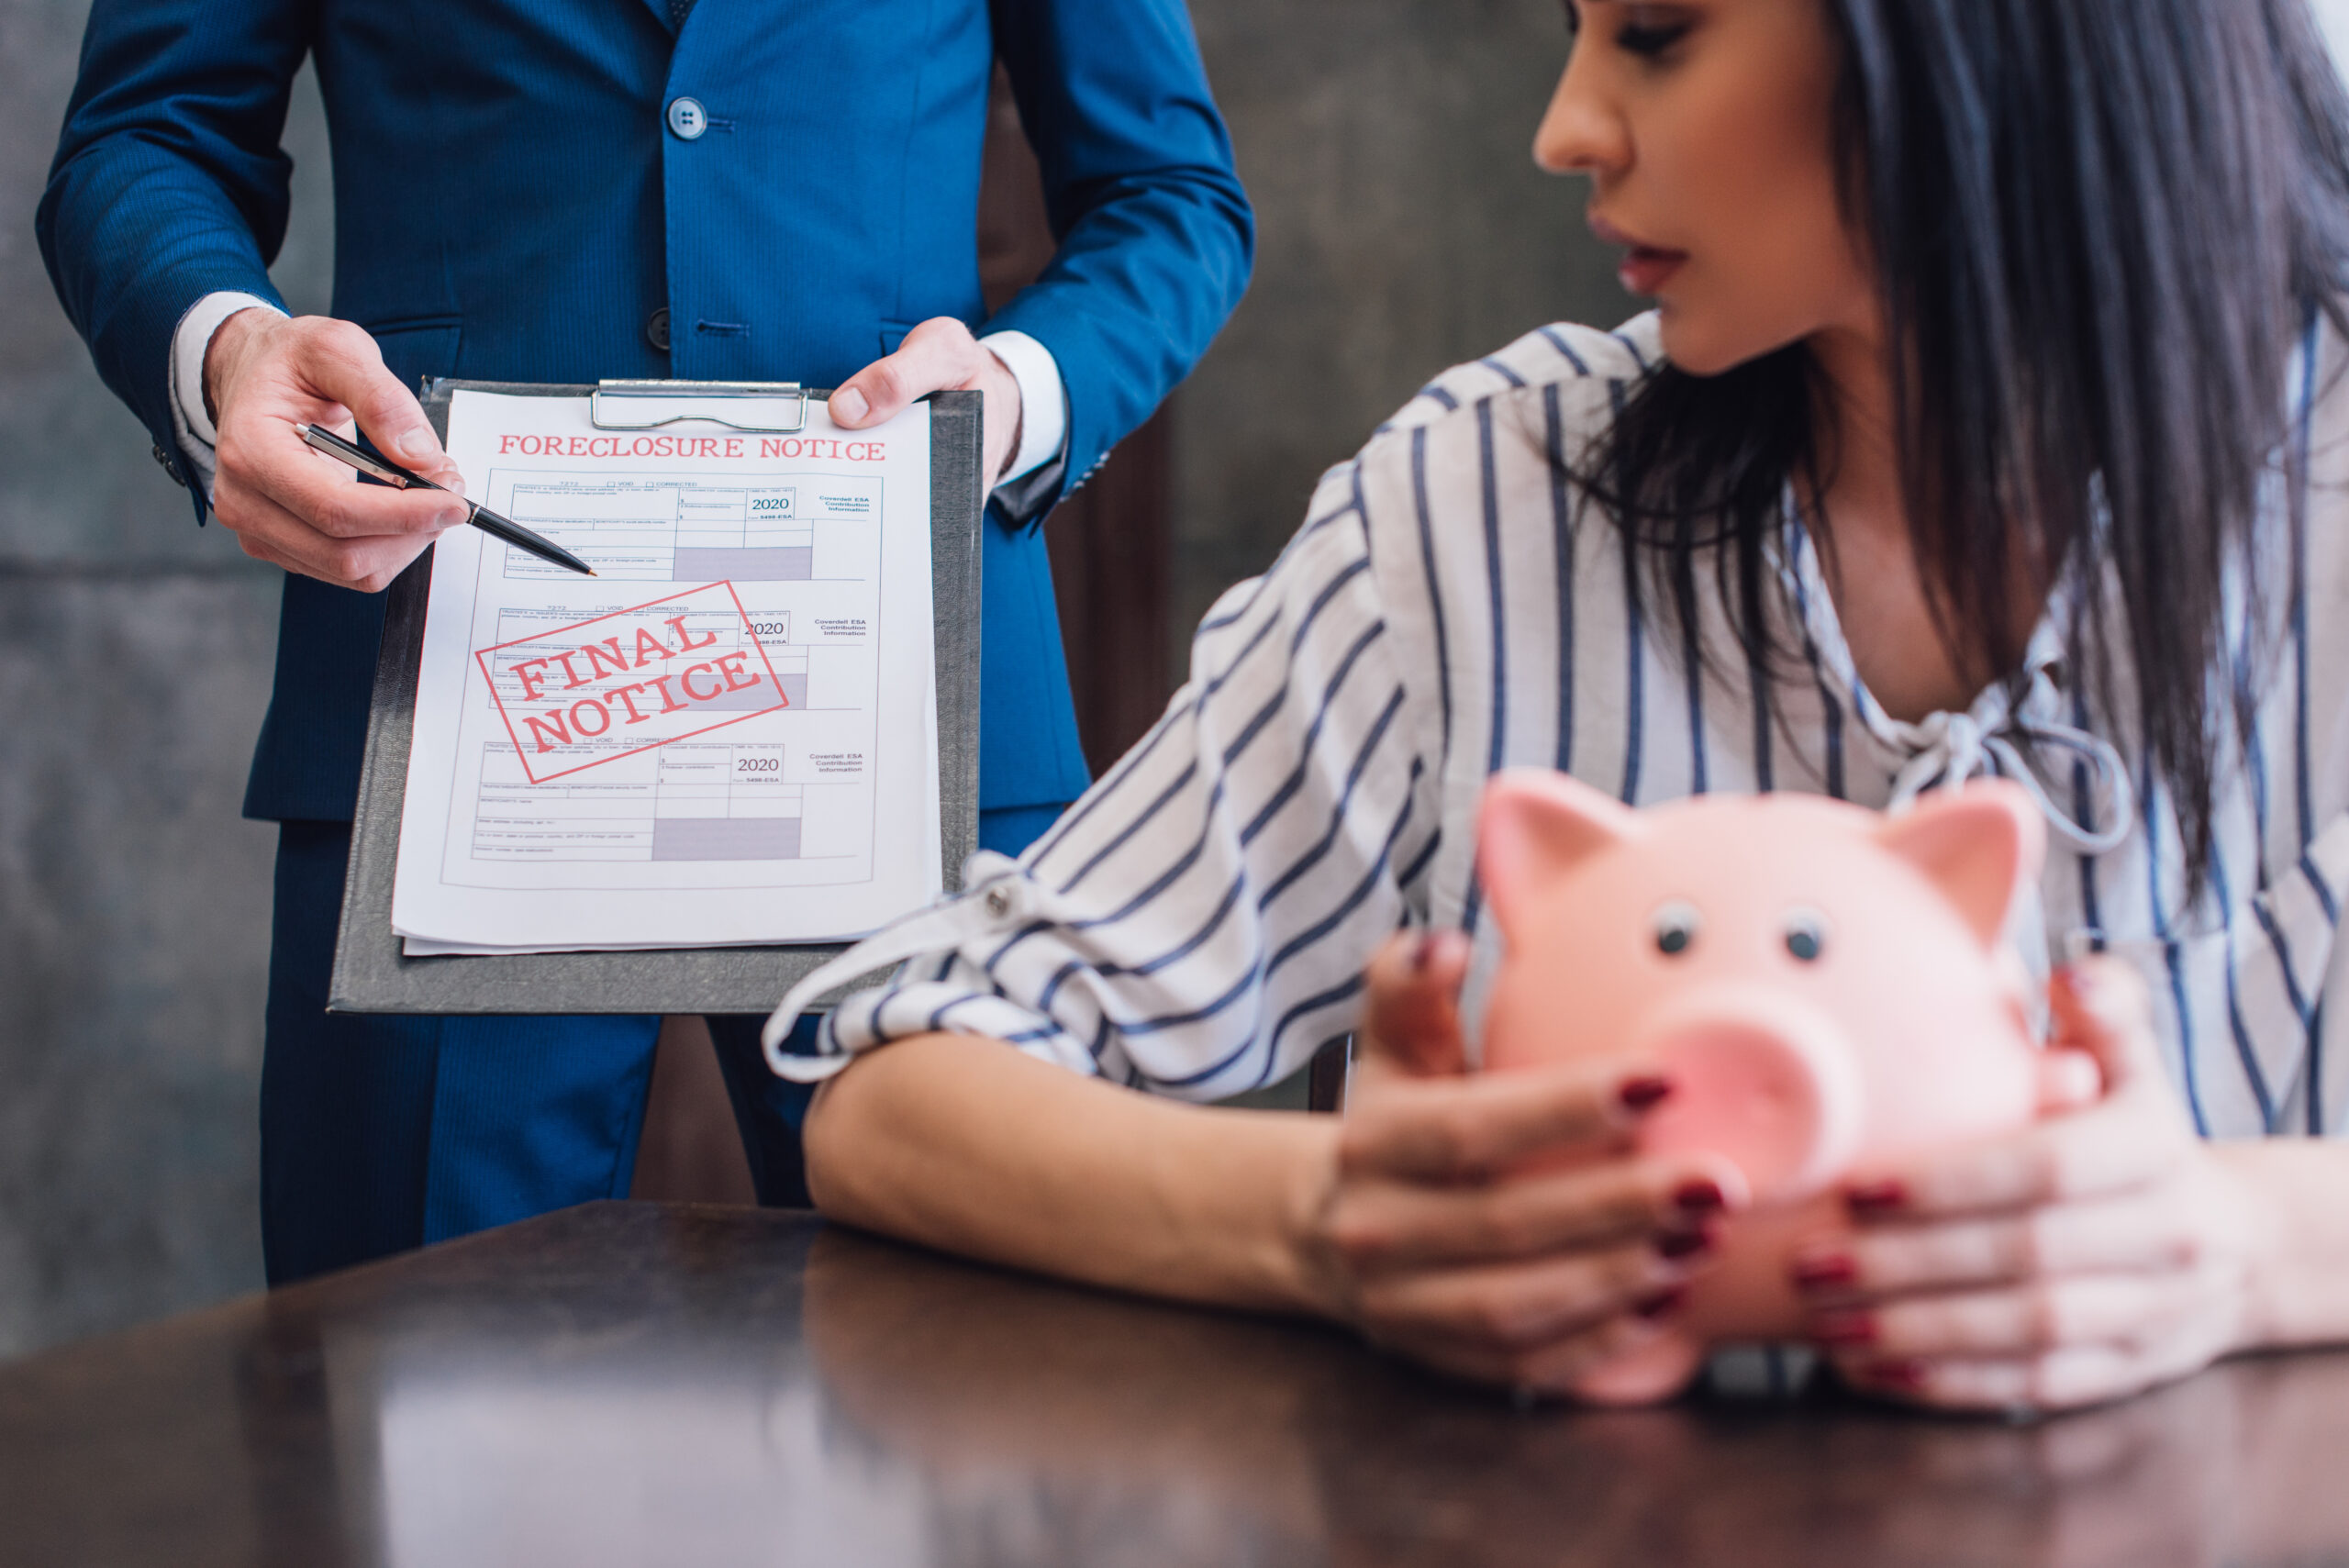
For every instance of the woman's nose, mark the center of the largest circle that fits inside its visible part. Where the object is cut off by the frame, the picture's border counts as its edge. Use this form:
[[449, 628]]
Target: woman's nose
[[1579, 133]]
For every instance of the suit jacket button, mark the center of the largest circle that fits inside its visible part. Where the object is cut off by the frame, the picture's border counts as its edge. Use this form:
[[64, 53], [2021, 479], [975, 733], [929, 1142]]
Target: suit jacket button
[[687, 119], [169, 466], [656, 328]]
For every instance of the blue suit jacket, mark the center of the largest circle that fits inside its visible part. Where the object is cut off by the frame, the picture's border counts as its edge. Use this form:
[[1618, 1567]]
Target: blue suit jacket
[[510, 205]]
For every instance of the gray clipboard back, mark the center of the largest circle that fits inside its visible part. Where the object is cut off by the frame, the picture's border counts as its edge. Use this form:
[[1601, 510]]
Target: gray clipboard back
[[371, 974]]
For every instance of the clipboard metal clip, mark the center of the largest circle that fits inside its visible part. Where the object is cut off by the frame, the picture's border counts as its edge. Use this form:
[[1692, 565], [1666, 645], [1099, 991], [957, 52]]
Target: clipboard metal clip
[[757, 407]]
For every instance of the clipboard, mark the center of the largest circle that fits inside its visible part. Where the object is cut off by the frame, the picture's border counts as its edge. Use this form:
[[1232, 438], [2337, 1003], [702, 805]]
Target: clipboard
[[373, 974], [757, 407]]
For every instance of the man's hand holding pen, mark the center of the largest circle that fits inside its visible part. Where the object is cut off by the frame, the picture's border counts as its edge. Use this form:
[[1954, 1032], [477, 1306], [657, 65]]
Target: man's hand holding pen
[[265, 373]]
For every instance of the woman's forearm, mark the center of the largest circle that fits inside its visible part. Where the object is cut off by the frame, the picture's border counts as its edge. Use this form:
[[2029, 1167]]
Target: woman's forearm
[[2298, 1201], [966, 1145]]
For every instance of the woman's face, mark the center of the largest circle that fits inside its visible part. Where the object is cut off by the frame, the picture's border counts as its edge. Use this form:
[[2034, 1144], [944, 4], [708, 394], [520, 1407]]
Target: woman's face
[[1706, 128]]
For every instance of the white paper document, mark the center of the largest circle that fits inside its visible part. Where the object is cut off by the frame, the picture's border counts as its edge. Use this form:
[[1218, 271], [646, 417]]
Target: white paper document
[[728, 735]]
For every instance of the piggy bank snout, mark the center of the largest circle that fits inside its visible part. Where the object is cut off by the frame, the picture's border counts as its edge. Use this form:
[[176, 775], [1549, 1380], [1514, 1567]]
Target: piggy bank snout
[[1763, 1080]]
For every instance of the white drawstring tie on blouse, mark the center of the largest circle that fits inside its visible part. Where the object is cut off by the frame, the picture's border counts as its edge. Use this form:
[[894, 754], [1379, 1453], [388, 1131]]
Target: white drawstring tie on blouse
[[1954, 747]]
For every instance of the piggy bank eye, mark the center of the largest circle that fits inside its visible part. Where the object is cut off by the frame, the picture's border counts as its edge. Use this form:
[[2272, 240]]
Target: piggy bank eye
[[1676, 928], [1806, 934]]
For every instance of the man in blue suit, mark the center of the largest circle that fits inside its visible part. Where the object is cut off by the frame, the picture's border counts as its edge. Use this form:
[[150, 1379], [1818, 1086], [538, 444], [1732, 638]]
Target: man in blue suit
[[561, 191]]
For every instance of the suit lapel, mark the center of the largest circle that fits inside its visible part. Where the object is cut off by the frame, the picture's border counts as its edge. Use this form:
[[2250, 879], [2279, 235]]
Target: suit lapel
[[659, 9]]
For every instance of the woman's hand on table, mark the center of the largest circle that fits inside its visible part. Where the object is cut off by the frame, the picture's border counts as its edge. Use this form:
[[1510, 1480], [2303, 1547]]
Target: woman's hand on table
[[2102, 1250], [1500, 1228]]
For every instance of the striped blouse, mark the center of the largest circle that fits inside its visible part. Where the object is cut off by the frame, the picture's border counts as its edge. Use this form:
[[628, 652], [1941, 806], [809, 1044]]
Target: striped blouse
[[1199, 923]]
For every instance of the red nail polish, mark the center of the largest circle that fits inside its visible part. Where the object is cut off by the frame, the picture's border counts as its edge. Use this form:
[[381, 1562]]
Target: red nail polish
[[1642, 1093], [1422, 952], [1876, 1197], [1661, 1303], [1825, 1272], [1901, 1378], [1678, 1244], [1702, 1196], [1843, 1329]]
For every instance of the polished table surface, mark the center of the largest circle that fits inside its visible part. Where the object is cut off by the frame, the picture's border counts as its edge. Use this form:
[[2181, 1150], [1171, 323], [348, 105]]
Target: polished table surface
[[634, 1384]]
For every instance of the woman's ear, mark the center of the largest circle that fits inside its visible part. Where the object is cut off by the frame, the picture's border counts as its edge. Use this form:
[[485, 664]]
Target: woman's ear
[[1535, 827], [1977, 845]]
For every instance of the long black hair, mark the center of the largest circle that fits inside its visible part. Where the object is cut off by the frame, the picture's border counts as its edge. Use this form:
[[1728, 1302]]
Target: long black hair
[[2100, 228]]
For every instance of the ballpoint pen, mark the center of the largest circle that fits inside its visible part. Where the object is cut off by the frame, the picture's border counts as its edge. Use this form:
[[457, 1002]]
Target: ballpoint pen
[[481, 517]]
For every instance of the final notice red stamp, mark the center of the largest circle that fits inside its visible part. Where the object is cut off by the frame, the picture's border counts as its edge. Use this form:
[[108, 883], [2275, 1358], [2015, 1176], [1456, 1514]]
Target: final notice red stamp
[[595, 690]]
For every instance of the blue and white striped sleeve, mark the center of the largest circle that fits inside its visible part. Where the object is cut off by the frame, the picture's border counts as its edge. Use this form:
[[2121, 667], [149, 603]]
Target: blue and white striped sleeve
[[1198, 924]]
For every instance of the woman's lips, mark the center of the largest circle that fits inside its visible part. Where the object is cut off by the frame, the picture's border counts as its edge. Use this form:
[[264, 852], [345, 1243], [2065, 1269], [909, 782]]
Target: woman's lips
[[1645, 269]]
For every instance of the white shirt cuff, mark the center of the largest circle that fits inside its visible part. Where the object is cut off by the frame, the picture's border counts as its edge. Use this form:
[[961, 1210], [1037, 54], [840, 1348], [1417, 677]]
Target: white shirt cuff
[[1044, 401], [193, 336]]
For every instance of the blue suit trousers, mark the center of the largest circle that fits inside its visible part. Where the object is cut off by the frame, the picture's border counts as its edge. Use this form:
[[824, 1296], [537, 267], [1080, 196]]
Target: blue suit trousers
[[384, 1133]]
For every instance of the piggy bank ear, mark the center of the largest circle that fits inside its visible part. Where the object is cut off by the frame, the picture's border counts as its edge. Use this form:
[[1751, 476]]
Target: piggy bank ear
[[1535, 827], [1976, 845]]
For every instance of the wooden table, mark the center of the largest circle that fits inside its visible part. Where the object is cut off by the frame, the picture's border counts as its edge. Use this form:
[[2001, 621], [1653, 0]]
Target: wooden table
[[632, 1383]]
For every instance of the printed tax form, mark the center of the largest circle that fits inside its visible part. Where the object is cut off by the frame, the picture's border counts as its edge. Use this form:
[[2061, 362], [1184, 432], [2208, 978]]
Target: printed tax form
[[726, 735]]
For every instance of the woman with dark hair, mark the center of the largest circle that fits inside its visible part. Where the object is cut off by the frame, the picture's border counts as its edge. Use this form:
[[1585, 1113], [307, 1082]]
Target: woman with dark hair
[[1992, 422]]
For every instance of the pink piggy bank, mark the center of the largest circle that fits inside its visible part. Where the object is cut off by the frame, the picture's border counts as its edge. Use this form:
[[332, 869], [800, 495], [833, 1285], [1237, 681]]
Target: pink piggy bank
[[1826, 985]]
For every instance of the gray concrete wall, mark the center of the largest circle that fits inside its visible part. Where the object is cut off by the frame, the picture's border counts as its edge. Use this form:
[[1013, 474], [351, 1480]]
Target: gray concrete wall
[[134, 665], [1403, 229]]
